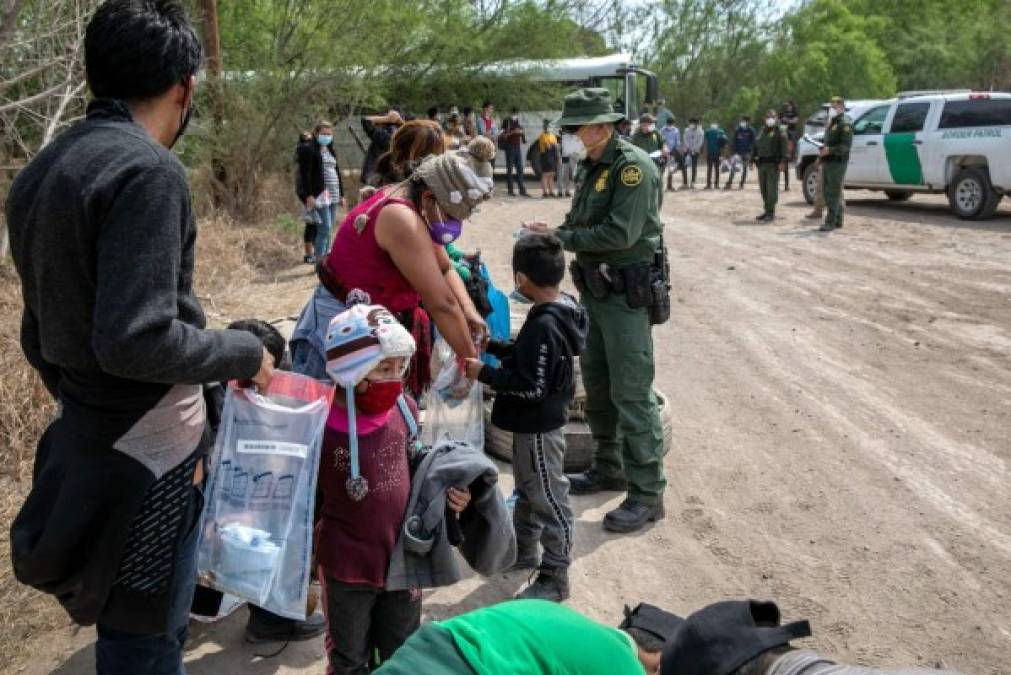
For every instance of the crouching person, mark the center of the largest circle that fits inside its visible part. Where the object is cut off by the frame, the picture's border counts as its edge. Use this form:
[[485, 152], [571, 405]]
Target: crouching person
[[533, 636], [534, 387], [744, 637]]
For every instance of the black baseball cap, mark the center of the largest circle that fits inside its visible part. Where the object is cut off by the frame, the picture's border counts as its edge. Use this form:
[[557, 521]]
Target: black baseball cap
[[720, 638], [653, 620]]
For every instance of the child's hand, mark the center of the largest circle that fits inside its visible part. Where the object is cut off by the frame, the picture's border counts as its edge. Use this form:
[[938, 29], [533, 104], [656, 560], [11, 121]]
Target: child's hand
[[458, 499], [473, 368]]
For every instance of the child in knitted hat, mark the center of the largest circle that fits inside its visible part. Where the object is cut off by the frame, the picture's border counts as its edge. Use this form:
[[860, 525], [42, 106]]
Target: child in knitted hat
[[365, 483]]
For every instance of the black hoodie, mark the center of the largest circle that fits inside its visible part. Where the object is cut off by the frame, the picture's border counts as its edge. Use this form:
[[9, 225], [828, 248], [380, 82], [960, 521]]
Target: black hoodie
[[535, 383]]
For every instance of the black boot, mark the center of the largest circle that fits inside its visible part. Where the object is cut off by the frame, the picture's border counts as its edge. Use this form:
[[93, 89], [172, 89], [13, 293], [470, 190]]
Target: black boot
[[632, 516], [264, 626], [552, 583], [590, 482]]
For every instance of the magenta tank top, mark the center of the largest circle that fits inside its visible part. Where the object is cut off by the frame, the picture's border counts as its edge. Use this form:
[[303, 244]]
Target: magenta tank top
[[357, 261]]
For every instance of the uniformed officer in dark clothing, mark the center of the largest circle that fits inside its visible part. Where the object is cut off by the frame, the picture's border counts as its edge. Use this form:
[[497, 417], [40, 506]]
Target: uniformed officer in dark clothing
[[650, 141], [835, 156], [771, 152], [614, 229]]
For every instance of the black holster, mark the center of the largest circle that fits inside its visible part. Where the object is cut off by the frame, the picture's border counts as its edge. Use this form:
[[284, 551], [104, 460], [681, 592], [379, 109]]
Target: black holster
[[588, 280], [638, 285], [659, 308]]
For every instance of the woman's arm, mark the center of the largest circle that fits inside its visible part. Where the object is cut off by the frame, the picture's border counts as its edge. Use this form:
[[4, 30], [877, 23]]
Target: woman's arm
[[400, 233]]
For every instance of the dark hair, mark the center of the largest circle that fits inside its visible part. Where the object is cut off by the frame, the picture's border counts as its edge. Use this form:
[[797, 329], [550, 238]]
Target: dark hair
[[514, 110], [139, 49], [412, 142], [693, 119], [540, 258], [486, 104], [646, 641], [433, 111], [269, 336], [467, 110]]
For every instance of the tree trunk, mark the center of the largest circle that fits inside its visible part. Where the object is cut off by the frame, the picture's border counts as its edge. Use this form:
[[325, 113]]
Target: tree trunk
[[215, 95]]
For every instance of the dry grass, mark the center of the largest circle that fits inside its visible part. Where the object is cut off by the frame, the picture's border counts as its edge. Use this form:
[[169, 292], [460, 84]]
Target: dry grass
[[229, 254]]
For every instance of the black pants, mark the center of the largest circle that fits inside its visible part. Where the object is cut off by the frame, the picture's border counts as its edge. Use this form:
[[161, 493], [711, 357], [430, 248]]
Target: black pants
[[745, 161], [692, 158], [712, 171], [362, 620]]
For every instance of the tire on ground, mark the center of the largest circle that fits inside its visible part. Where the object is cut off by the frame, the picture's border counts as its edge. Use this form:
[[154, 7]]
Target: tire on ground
[[807, 186], [578, 439], [971, 196]]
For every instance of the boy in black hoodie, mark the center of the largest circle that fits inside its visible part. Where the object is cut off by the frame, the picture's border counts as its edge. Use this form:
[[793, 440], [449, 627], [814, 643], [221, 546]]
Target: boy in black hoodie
[[534, 387]]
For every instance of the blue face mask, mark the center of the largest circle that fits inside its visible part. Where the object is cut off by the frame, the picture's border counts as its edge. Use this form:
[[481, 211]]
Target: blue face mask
[[324, 140]]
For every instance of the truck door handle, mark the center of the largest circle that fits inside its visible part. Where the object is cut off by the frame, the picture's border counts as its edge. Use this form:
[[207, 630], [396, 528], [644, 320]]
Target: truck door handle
[[917, 142], [872, 142]]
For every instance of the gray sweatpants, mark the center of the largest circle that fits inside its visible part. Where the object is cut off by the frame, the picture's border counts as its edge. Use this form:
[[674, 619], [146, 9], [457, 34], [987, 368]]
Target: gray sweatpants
[[542, 511]]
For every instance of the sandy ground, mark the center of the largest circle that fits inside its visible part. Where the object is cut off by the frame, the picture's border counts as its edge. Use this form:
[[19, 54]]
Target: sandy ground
[[841, 407]]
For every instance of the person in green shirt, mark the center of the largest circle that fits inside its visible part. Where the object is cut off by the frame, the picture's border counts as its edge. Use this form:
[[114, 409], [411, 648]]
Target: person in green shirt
[[651, 141], [614, 229], [834, 158], [771, 153], [525, 636]]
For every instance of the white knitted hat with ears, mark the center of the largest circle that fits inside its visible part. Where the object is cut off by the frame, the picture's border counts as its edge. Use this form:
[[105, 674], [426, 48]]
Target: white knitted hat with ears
[[460, 180]]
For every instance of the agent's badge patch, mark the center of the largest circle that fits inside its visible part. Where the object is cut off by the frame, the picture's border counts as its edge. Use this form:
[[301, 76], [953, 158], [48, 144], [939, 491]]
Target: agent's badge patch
[[601, 183], [631, 176]]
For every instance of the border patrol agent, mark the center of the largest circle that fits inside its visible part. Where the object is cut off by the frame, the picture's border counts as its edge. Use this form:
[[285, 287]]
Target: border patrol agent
[[835, 157], [649, 140], [771, 152], [614, 229]]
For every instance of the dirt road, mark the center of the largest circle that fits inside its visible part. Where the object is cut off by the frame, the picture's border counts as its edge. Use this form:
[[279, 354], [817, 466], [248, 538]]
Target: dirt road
[[842, 405]]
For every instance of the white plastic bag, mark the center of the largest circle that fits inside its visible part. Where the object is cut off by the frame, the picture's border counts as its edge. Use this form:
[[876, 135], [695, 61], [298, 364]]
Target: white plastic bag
[[256, 529], [455, 406]]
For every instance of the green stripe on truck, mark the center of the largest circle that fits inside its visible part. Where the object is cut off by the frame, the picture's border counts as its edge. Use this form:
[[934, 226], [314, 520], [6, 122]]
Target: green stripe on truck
[[903, 159]]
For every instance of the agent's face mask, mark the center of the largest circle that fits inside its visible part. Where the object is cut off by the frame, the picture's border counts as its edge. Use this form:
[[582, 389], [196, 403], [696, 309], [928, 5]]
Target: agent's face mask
[[324, 139], [572, 146], [444, 230], [770, 122]]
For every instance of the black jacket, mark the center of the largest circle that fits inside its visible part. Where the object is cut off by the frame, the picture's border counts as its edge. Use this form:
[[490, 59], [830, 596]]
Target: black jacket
[[535, 383], [380, 138], [309, 177]]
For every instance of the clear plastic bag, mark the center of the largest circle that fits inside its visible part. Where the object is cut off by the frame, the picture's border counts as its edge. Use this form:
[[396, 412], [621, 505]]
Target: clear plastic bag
[[455, 407], [256, 530]]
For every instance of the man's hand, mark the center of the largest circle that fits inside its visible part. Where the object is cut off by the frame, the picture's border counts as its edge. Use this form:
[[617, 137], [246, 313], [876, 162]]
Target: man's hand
[[473, 368], [458, 499], [823, 151], [310, 202], [266, 373]]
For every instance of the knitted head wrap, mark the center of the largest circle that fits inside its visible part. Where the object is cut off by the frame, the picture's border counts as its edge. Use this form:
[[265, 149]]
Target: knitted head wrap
[[460, 180]]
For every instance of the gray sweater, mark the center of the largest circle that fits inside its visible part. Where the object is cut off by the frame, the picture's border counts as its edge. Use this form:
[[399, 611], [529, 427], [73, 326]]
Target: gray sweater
[[423, 556], [102, 235], [804, 662]]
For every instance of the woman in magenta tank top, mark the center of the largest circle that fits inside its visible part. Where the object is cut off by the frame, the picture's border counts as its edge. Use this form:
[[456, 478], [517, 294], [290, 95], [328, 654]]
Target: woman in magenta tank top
[[392, 246]]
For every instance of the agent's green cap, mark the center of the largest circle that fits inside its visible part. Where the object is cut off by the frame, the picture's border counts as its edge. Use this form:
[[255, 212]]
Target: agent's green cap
[[588, 106]]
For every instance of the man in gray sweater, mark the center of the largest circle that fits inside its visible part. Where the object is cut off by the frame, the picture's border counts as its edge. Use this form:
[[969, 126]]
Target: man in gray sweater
[[102, 235]]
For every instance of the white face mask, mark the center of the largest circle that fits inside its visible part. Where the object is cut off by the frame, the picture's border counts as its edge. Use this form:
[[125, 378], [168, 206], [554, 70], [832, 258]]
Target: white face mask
[[573, 147], [647, 128], [693, 126], [770, 121], [714, 126], [743, 125], [832, 113]]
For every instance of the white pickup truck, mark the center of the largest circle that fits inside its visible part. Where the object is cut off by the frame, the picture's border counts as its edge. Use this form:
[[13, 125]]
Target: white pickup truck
[[958, 144]]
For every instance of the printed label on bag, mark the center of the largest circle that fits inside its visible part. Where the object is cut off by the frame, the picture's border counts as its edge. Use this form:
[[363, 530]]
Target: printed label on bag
[[273, 448]]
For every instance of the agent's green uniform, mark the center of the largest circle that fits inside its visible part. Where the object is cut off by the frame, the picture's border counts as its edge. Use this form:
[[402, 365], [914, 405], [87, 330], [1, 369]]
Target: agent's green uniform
[[838, 139], [650, 143], [771, 150], [615, 221]]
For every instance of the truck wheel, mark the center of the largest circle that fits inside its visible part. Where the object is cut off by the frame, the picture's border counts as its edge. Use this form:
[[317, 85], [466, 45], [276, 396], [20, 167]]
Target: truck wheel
[[971, 196], [898, 195], [810, 182]]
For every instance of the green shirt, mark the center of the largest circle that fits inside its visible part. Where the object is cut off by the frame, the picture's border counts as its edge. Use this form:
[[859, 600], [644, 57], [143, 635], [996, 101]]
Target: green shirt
[[615, 216], [650, 142], [771, 144], [537, 636], [839, 136]]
